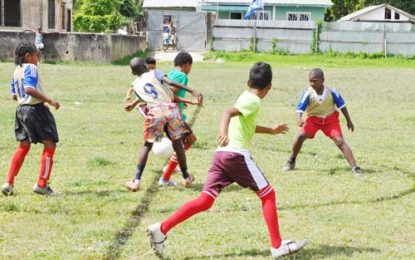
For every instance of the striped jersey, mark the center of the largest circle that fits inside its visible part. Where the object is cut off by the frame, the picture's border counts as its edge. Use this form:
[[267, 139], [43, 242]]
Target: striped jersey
[[150, 89], [26, 76], [320, 105]]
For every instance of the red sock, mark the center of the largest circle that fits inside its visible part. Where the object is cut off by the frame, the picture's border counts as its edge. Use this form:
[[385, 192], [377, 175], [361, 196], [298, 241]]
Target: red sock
[[202, 203], [46, 166], [16, 162], [267, 196], [171, 166]]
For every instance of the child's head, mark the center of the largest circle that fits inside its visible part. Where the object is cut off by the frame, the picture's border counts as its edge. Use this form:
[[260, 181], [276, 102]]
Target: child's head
[[316, 78], [151, 63], [184, 61], [26, 53], [138, 66], [260, 76]]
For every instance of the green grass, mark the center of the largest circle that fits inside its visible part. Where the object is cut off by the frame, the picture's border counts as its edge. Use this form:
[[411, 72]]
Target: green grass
[[93, 217], [330, 59]]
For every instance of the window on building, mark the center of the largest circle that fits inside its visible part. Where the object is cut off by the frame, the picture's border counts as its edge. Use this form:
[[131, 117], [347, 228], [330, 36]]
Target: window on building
[[388, 14], [397, 16], [298, 16], [262, 15], [11, 13], [235, 16], [51, 14]]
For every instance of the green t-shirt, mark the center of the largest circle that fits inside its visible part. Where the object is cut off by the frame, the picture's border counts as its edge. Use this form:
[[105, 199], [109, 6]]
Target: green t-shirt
[[180, 77], [242, 127]]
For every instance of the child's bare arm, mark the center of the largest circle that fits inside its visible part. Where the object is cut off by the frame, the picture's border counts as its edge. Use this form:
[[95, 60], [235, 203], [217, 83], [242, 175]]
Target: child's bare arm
[[128, 95], [130, 106], [300, 119], [178, 99], [194, 92], [277, 129], [39, 95], [350, 125], [230, 112]]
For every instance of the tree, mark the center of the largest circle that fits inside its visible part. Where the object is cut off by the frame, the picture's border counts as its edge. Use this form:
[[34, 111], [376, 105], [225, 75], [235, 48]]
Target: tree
[[341, 8], [103, 15]]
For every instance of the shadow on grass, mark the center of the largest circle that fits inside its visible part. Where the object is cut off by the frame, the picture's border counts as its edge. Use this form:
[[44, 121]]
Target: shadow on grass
[[121, 238], [102, 193], [371, 201], [322, 251]]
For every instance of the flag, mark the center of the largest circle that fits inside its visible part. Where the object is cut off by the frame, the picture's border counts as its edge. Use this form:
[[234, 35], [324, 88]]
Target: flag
[[256, 4]]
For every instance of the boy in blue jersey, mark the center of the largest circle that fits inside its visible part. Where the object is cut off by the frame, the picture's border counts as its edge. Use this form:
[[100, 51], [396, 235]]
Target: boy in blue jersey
[[233, 163], [321, 104], [34, 122]]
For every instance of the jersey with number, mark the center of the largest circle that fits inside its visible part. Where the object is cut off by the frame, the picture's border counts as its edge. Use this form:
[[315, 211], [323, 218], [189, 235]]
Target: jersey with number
[[320, 105], [26, 76], [150, 89]]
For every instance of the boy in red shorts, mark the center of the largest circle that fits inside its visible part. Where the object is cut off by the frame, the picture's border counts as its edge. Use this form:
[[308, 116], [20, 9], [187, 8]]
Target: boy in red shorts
[[321, 104], [233, 163]]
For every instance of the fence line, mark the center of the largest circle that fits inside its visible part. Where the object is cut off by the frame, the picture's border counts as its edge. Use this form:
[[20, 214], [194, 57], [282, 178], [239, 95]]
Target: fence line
[[303, 37]]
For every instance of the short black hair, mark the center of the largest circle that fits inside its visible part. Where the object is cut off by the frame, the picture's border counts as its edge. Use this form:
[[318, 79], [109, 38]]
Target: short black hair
[[21, 50], [150, 60], [260, 75], [317, 72], [138, 66], [183, 58]]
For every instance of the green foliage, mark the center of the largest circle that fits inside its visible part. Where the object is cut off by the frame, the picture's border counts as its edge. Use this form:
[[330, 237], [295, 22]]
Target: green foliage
[[315, 44], [253, 46], [103, 15], [126, 59]]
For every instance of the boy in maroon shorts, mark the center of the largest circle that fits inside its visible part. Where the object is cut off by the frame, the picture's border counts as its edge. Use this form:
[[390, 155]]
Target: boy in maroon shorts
[[321, 104], [233, 163]]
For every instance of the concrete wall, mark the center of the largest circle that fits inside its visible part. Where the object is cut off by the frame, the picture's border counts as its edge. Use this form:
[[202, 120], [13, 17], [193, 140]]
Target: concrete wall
[[34, 14], [75, 46], [297, 37]]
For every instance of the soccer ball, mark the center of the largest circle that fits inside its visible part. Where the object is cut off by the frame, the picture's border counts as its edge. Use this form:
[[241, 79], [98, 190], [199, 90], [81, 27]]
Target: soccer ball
[[163, 148]]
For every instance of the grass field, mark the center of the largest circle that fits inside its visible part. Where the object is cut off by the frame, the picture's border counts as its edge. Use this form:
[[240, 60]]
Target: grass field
[[93, 217]]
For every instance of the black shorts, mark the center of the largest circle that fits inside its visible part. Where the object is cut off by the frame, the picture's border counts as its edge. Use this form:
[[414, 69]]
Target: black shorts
[[35, 123]]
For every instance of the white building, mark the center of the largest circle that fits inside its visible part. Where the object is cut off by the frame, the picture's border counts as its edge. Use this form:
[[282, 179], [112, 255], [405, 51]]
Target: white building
[[379, 13]]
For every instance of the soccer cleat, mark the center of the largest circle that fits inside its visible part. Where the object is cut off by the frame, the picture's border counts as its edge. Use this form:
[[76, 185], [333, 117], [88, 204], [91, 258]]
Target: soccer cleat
[[287, 247], [43, 191], [7, 189], [133, 185], [157, 238], [164, 183], [289, 165], [188, 181], [357, 170]]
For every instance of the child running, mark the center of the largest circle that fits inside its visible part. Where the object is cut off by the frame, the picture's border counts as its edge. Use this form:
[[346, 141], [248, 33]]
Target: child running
[[163, 115], [183, 65], [34, 122], [321, 104], [233, 163]]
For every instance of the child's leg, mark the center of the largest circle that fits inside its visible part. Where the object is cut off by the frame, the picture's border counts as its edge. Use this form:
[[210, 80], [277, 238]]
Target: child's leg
[[267, 196], [202, 203], [181, 157], [298, 143], [346, 150], [172, 164], [142, 160], [17, 161], [46, 162]]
